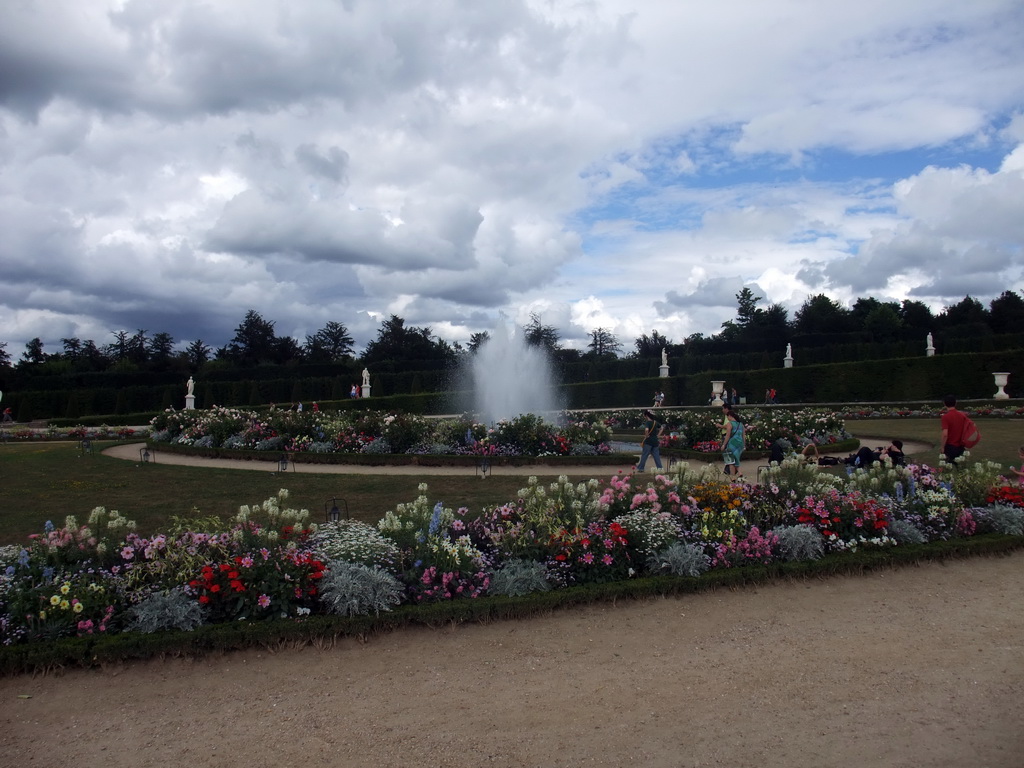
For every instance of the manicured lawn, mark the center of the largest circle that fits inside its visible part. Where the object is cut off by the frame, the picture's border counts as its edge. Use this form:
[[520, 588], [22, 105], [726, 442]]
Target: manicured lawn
[[1000, 438], [47, 481]]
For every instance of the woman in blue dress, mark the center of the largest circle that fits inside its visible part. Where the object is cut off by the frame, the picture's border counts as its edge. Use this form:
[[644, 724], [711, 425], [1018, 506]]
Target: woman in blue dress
[[732, 442]]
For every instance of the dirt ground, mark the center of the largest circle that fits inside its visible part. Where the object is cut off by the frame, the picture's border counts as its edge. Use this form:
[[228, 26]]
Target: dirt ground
[[919, 666]]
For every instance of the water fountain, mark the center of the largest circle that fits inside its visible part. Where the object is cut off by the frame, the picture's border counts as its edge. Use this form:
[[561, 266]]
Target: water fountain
[[510, 377]]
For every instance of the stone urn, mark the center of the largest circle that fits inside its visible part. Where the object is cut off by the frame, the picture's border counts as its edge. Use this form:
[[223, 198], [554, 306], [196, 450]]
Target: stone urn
[[1001, 381], [716, 392]]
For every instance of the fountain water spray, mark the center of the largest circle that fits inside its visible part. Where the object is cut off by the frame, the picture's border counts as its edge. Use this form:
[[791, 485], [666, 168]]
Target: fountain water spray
[[510, 377]]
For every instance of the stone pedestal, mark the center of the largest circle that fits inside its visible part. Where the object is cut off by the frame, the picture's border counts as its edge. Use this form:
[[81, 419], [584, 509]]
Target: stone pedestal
[[663, 371], [716, 392], [1001, 380], [365, 391], [787, 362], [190, 402], [929, 351]]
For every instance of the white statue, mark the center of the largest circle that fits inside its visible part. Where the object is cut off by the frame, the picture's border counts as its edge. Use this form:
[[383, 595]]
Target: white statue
[[931, 344], [366, 377], [664, 356], [789, 350], [191, 386]]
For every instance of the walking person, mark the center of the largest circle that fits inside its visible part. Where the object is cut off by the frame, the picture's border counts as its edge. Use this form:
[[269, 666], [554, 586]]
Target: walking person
[[953, 424], [732, 443], [652, 441]]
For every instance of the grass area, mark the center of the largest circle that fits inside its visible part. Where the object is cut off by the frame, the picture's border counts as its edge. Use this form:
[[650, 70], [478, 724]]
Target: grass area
[[1000, 438], [47, 481]]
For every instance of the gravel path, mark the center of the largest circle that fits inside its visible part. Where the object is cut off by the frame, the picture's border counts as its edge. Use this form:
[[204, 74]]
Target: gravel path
[[920, 666], [130, 452]]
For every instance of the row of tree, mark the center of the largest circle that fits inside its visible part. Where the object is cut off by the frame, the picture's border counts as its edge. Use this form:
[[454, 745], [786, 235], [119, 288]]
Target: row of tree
[[819, 321]]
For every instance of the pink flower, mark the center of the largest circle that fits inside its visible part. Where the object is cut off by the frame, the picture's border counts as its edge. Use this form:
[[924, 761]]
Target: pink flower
[[247, 562], [607, 559], [263, 601], [127, 553]]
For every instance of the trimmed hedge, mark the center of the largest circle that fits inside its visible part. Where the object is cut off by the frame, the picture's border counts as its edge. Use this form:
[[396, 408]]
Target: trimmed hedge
[[96, 650]]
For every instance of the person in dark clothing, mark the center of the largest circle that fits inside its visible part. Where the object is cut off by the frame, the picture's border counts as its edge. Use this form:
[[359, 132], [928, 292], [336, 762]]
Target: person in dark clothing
[[895, 453], [863, 458]]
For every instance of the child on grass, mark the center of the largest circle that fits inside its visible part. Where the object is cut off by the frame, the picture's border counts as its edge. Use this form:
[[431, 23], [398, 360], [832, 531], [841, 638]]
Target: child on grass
[[1019, 472]]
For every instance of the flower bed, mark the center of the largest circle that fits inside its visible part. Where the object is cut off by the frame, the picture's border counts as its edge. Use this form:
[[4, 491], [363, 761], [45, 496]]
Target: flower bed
[[102, 581], [318, 437], [104, 432]]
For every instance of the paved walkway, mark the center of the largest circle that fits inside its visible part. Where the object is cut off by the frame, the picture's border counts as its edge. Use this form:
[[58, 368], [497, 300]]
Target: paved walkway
[[130, 452]]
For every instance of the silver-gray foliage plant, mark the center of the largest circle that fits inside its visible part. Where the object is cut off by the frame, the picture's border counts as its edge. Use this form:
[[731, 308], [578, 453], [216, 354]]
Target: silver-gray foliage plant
[[166, 610], [680, 559], [1006, 520], [353, 589], [519, 577], [799, 542], [905, 532]]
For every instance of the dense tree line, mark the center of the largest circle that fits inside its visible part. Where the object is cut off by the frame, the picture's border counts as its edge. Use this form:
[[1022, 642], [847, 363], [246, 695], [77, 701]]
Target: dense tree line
[[819, 321], [822, 320]]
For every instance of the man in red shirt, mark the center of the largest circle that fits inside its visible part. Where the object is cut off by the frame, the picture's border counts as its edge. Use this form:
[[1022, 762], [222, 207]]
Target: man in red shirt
[[953, 423]]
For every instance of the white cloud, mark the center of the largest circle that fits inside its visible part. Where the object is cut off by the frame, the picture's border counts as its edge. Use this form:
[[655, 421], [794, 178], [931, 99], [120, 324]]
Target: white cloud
[[609, 164]]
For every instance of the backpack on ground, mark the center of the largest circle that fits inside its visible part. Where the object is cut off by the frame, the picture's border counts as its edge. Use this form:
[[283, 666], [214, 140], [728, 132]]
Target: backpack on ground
[[971, 435]]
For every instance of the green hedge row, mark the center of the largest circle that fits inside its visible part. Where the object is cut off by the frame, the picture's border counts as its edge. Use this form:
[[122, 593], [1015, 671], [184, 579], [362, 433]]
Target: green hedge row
[[97, 650], [968, 375]]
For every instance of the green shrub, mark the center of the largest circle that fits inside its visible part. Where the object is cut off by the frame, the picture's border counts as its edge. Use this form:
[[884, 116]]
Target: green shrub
[[971, 480], [795, 478]]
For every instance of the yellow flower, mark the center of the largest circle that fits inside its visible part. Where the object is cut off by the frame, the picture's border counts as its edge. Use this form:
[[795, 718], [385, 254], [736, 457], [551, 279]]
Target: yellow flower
[[78, 608], [55, 600], [42, 615], [64, 605], [65, 587]]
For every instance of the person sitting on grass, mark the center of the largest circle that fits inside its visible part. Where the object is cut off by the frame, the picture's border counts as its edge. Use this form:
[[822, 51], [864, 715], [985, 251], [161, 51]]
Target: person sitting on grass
[[894, 453], [1019, 472]]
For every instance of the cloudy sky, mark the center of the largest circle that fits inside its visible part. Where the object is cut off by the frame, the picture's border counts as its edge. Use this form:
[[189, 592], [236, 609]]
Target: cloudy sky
[[169, 164]]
